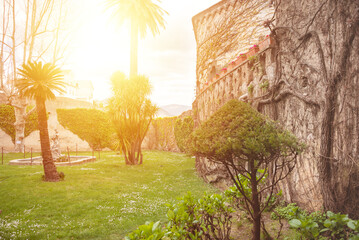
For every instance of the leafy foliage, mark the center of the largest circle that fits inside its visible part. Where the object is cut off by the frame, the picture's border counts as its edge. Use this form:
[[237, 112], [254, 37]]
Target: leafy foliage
[[7, 121], [206, 218], [318, 225], [183, 130], [251, 147], [146, 14], [39, 81], [149, 230], [264, 85], [131, 112], [91, 125]]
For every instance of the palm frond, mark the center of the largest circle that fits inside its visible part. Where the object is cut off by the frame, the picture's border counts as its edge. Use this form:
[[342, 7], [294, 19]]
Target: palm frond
[[146, 13], [39, 81]]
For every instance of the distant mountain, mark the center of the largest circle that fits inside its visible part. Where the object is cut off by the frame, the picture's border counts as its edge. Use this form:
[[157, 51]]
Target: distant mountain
[[163, 113], [175, 109]]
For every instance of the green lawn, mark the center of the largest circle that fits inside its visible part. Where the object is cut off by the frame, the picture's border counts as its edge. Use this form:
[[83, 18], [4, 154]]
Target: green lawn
[[100, 200]]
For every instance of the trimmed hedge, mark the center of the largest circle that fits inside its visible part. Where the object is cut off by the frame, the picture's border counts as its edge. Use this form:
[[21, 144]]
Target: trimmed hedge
[[183, 130], [91, 125], [160, 136], [7, 121]]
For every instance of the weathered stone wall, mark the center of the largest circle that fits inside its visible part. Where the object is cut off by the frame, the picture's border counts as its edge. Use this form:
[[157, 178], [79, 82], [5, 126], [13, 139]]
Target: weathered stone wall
[[317, 97], [312, 90], [217, 35]]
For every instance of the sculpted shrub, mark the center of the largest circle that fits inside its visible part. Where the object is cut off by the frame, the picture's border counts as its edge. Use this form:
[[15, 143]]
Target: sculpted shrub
[[250, 147], [91, 125], [7, 121]]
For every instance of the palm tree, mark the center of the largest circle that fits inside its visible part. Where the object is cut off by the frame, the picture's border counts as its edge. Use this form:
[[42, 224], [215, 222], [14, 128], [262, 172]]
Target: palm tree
[[142, 15], [38, 82]]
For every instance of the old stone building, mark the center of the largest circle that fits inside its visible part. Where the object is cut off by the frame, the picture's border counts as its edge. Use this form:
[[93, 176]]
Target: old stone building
[[305, 75]]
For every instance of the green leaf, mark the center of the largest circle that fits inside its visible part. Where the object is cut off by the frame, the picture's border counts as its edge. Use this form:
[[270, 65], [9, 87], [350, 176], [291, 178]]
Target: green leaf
[[330, 214], [327, 223], [170, 214], [295, 223], [351, 225], [154, 227]]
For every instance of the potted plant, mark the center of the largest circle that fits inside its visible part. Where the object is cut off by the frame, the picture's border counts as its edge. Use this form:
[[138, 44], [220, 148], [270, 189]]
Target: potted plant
[[241, 58], [253, 50], [232, 65], [224, 70]]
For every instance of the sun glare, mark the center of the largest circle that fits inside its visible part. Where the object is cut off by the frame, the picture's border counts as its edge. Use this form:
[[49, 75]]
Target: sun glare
[[99, 48]]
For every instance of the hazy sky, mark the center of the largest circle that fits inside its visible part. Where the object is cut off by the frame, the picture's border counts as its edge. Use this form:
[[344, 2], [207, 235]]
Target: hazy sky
[[100, 47]]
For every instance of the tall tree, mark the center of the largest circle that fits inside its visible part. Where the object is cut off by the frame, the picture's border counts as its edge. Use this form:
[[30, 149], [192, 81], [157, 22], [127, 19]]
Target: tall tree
[[142, 15], [29, 30], [38, 82], [131, 112]]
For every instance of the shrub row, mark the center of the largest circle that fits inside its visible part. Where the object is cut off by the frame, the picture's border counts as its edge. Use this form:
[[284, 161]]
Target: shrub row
[[183, 130], [91, 125]]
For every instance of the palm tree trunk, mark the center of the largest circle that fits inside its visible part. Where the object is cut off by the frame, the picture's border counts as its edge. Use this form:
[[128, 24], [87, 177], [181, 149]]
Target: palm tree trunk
[[51, 174], [134, 47]]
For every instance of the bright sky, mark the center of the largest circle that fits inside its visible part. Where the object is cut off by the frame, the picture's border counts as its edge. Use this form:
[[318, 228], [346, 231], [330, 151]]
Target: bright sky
[[100, 47]]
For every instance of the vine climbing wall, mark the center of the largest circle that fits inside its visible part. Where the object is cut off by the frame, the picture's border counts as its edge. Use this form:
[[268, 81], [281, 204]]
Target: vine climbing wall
[[305, 75]]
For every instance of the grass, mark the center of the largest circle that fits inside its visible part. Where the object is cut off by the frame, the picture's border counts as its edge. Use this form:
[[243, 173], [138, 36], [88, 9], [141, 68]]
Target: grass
[[100, 200]]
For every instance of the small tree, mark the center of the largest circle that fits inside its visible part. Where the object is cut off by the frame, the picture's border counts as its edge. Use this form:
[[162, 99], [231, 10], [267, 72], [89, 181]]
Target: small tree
[[131, 112], [91, 125], [252, 148]]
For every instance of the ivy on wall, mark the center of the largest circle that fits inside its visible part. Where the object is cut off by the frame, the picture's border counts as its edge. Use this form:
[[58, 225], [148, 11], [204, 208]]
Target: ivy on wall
[[7, 121], [91, 125]]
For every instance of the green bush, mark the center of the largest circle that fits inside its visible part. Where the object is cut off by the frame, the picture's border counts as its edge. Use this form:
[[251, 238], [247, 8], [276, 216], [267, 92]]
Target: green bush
[[318, 225], [7, 121], [249, 146], [183, 130], [206, 218], [91, 125], [148, 231]]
